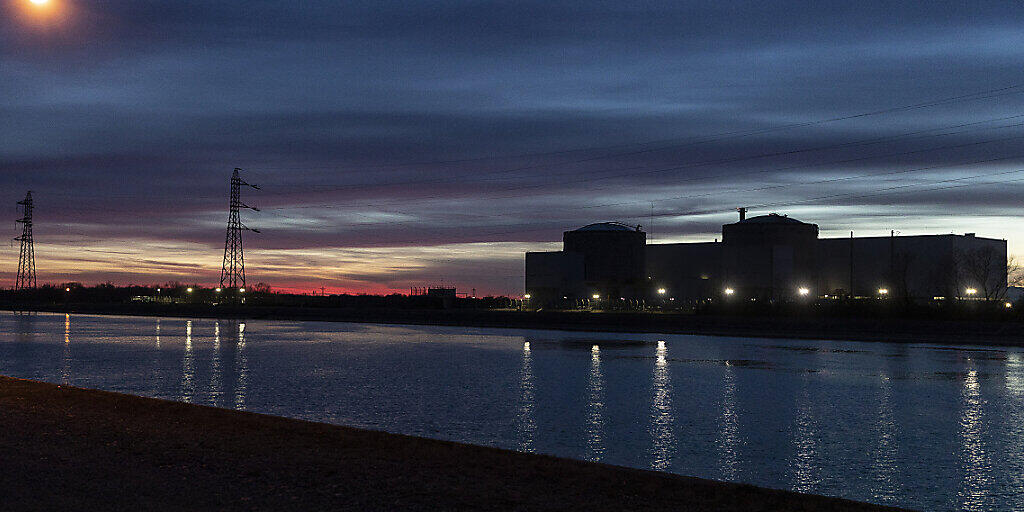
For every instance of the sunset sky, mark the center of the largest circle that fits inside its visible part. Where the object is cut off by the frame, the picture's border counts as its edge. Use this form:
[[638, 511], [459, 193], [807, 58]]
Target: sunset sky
[[404, 143]]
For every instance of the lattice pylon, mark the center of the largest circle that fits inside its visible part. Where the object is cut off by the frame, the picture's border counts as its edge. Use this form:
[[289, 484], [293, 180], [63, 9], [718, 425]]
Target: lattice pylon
[[232, 273], [27, 259]]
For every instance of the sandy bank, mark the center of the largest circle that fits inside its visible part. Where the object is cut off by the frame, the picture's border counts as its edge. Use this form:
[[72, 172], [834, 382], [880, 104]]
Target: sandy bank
[[76, 449]]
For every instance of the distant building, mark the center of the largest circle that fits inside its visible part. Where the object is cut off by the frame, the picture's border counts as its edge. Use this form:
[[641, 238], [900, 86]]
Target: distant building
[[434, 291], [767, 257], [607, 258]]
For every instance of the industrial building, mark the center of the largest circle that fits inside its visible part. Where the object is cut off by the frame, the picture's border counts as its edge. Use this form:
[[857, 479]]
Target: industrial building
[[768, 257]]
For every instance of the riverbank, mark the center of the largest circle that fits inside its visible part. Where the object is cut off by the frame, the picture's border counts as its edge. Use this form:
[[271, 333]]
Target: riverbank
[[894, 330], [72, 448]]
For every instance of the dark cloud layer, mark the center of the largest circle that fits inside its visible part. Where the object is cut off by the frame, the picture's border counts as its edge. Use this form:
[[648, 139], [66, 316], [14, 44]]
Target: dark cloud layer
[[411, 125]]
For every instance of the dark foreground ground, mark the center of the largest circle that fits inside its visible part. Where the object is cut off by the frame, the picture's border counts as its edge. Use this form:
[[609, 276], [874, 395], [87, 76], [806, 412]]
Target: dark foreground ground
[[66, 448], [863, 327]]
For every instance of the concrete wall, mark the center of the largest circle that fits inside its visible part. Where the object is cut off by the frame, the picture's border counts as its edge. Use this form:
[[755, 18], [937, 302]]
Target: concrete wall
[[920, 267], [916, 267], [769, 259], [688, 272], [554, 274], [613, 261]]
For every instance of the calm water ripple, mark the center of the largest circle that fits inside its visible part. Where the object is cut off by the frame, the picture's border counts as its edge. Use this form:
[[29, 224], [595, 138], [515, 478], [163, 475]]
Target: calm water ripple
[[924, 426]]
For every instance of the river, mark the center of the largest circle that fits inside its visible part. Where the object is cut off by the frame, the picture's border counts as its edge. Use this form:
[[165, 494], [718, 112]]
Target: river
[[926, 426]]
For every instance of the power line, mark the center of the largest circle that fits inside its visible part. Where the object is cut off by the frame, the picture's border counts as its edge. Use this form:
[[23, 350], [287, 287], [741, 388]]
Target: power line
[[829, 180], [856, 195], [484, 237], [986, 94], [688, 179], [862, 142]]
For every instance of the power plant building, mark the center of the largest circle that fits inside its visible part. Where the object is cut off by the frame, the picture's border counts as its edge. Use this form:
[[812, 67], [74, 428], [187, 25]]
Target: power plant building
[[767, 257]]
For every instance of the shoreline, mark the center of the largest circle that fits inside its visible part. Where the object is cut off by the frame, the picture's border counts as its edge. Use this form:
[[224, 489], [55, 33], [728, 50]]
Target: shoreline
[[111, 451], [892, 330]]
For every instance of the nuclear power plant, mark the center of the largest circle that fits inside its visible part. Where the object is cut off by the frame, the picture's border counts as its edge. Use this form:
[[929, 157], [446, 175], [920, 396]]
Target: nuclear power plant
[[767, 257]]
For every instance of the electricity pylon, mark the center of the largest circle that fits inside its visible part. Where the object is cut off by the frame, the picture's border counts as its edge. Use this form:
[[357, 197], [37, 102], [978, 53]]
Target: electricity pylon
[[27, 259], [232, 273]]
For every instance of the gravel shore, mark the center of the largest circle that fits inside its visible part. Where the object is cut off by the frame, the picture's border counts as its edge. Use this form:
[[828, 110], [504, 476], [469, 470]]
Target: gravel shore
[[77, 449]]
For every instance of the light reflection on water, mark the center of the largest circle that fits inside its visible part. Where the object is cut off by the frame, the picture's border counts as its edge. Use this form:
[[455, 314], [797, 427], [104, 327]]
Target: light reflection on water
[[216, 391], [805, 444], [974, 460], [242, 368], [728, 442], [885, 488], [929, 427], [595, 407], [65, 367], [662, 439], [525, 423], [1014, 454], [188, 372]]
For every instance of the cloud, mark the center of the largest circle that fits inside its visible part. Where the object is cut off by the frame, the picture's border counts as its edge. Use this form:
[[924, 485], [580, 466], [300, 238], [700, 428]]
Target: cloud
[[380, 130]]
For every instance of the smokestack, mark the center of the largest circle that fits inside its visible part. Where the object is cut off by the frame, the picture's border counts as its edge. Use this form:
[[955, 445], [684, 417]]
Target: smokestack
[[743, 213]]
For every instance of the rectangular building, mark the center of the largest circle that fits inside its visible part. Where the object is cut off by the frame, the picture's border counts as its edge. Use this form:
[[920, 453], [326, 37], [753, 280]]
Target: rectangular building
[[768, 257]]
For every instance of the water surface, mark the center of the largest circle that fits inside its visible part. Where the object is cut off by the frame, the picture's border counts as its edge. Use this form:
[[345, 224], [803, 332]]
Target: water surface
[[924, 426]]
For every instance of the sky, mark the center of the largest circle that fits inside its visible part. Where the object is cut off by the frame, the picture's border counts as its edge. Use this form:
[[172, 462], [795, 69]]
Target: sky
[[403, 143]]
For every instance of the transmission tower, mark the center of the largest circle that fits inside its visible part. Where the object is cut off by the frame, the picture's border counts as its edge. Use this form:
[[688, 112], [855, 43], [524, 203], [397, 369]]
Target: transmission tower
[[232, 274], [27, 260]]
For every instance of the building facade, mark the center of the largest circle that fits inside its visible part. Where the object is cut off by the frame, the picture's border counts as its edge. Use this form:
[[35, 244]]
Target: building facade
[[768, 257]]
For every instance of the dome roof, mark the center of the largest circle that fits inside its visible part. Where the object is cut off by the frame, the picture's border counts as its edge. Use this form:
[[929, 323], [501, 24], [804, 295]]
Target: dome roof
[[771, 218], [608, 226]]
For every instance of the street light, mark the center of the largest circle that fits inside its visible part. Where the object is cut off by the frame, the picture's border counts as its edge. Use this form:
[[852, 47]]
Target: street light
[[971, 291], [527, 296], [729, 291], [189, 290], [218, 290], [661, 291], [596, 296], [241, 290], [1008, 304], [803, 291], [883, 291]]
